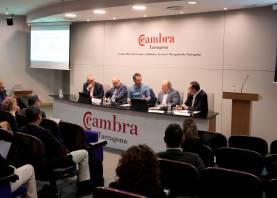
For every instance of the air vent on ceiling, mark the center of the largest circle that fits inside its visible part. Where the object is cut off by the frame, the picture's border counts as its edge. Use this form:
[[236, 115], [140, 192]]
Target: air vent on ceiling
[[174, 7]]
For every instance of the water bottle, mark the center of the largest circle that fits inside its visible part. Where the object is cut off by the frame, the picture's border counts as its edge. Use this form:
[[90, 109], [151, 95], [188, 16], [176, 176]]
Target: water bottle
[[169, 108], [60, 93]]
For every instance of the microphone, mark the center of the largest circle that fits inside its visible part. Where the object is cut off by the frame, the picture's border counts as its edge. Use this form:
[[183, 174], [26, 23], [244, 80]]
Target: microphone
[[244, 83]]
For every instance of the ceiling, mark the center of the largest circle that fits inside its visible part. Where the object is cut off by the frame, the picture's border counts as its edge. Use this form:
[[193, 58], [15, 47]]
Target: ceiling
[[159, 9]]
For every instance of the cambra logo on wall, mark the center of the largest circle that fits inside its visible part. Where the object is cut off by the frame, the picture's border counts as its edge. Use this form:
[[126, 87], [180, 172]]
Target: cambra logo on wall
[[156, 39]]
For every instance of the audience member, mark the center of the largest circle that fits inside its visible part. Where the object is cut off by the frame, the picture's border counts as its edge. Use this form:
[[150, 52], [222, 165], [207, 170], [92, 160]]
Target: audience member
[[5, 125], [33, 100], [56, 149], [3, 91], [10, 104], [173, 139], [138, 172], [26, 175]]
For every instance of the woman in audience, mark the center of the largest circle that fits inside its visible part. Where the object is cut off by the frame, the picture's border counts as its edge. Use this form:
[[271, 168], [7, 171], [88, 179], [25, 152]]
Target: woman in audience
[[10, 104], [5, 125], [138, 172]]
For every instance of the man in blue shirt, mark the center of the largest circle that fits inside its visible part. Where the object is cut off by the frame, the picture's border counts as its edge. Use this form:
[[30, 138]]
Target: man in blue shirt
[[138, 90]]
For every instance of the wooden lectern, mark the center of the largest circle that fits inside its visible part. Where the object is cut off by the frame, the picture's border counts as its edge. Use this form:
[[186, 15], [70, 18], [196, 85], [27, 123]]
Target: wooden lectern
[[241, 111]]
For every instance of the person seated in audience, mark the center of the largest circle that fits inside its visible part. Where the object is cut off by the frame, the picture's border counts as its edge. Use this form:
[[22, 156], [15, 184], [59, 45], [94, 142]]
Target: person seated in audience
[[167, 95], [55, 149], [33, 100], [118, 93], [173, 139], [3, 91], [197, 100], [6, 126], [138, 172], [26, 175], [138, 90], [191, 132], [92, 88], [10, 104]]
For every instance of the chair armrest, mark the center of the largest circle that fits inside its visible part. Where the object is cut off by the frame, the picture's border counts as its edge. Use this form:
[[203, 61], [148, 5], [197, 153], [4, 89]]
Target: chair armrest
[[11, 178], [94, 145]]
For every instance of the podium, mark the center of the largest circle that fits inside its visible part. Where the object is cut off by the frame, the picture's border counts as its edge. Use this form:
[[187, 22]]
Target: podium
[[241, 111]]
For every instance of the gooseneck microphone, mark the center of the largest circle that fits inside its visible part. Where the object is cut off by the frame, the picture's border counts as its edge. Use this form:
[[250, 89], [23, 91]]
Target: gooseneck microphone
[[244, 83]]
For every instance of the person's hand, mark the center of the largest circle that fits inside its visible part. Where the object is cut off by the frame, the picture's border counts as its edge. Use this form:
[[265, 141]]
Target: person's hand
[[178, 107], [89, 86], [185, 107]]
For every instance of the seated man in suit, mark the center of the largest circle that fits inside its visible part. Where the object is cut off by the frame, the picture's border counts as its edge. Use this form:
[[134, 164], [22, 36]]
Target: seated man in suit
[[168, 95], [55, 149], [26, 176], [118, 93], [3, 91], [197, 100], [173, 139], [138, 90], [94, 89]]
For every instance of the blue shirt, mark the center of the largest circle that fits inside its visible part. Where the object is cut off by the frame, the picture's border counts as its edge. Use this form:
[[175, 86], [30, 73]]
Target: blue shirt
[[141, 92]]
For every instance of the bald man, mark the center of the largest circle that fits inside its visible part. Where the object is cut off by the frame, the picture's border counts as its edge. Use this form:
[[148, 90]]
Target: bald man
[[168, 95], [94, 89], [118, 93]]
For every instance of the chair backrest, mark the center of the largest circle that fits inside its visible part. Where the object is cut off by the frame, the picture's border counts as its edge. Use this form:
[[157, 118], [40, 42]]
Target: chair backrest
[[107, 192], [271, 188], [204, 152], [182, 179], [240, 159], [271, 165], [249, 142], [273, 147], [219, 183], [213, 139], [21, 120], [6, 116], [52, 126], [30, 150], [73, 136], [5, 142]]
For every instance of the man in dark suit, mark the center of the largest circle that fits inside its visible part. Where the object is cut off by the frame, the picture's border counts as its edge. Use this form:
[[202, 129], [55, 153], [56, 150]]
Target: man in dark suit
[[168, 95], [118, 93], [94, 89], [197, 99], [173, 139]]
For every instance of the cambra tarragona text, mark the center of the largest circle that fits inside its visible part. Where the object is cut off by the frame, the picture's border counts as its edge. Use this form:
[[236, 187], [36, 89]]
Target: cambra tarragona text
[[112, 124], [157, 39]]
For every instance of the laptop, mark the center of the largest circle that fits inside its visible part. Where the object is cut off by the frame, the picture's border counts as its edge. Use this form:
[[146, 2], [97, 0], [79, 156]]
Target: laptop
[[139, 105], [84, 98]]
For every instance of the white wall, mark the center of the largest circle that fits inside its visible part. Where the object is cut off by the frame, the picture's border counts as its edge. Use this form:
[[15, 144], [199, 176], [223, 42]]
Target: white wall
[[14, 62], [233, 44]]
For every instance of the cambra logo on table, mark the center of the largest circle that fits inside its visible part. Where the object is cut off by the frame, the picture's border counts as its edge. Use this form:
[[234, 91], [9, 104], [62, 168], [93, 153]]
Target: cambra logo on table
[[157, 39], [112, 125]]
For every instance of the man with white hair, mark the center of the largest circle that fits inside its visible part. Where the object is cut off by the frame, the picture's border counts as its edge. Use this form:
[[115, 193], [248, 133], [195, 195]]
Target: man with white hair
[[167, 95], [92, 88], [118, 93]]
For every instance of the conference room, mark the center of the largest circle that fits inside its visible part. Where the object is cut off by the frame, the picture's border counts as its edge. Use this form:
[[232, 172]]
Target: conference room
[[146, 98]]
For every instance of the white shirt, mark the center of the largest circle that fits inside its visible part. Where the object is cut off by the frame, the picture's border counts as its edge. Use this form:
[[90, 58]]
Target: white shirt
[[195, 97], [90, 91], [164, 99]]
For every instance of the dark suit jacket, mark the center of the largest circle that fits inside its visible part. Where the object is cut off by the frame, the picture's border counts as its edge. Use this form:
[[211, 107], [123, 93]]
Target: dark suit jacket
[[98, 91], [53, 147], [187, 157], [6, 170], [3, 94], [173, 98], [120, 96], [200, 103]]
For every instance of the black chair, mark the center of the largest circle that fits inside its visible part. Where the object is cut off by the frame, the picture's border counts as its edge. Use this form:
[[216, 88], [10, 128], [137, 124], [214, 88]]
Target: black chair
[[249, 142], [226, 183], [21, 120], [271, 188], [32, 151], [240, 159], [6, 116], [181, 179], [52, 126], [273, 147], [271, 165], [213, 139], [204, 152], [105, 192]]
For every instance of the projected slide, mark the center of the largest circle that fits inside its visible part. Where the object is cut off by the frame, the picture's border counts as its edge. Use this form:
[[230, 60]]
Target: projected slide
[[50, 47]]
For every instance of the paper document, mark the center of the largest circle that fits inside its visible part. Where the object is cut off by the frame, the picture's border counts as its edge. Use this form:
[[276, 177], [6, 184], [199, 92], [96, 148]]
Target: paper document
[[155, 111], [125, 105]]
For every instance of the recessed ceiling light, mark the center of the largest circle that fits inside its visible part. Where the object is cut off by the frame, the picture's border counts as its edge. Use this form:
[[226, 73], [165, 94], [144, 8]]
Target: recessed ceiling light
[[88, 20], [192, 2], [145, 15], [70, 15], [139, 7], [181, 12], [114, 18], [99, 11], [225, 8]]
